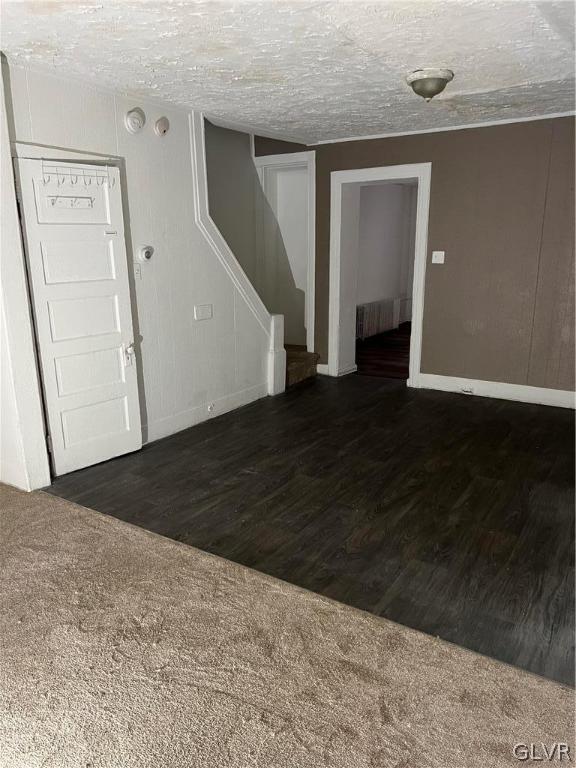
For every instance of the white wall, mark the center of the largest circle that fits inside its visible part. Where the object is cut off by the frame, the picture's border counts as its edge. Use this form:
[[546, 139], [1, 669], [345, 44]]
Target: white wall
[[386, 243], [23, 458], [12, 459], [187, 365]]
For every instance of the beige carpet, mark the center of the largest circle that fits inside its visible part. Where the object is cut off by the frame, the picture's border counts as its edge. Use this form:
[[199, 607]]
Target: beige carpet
[[122, 649]]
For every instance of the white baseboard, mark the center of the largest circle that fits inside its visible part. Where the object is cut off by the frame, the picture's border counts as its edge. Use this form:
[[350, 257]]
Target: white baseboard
[[522, 393], [324, 370], [179, 421]]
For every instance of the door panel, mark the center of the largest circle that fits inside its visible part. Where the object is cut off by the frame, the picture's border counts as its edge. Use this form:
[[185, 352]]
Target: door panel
[[95, 420], [61, 263], [78, 271], [65, 196], [89, 370], [78, 318]]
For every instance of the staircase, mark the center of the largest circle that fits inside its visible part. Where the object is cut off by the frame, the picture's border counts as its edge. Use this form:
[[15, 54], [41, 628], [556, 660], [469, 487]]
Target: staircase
[[300, 364]]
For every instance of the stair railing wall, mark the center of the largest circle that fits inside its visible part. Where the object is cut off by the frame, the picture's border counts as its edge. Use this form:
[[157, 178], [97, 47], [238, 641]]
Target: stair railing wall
[[273, 325]]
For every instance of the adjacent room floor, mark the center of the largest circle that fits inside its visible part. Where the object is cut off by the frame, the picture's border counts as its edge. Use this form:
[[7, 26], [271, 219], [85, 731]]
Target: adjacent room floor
[[446, 513], [386, 354]]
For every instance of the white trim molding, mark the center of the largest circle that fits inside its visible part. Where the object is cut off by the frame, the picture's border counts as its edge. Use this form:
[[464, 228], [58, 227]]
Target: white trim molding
[[32, 426], [24, 151], [485, 124], [324, 370], [276, 356], [209, 229], [269, 323], [523, 393], [419, 172], [266, 163]]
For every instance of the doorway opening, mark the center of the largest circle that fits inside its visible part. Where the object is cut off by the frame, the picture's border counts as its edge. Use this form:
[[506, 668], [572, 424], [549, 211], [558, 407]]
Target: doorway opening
[[378, 243], [285, 221], [386, 239]]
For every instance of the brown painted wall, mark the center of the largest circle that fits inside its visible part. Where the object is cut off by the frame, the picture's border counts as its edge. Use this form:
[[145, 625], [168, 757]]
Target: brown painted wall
[[502, 207]]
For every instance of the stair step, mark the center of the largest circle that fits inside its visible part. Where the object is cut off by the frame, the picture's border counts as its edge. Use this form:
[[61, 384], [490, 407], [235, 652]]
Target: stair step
[[300, 364]]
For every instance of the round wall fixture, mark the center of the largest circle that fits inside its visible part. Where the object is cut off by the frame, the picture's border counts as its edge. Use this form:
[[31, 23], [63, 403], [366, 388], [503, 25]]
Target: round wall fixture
[[429, 82], [162, 126], [135, 120], [144, 253]]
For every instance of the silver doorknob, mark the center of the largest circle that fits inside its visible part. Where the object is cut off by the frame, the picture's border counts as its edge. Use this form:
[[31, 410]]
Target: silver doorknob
[[129, 353]]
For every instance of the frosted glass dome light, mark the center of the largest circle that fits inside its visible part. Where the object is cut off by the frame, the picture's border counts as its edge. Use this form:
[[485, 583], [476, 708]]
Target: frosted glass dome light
[[429, 82]]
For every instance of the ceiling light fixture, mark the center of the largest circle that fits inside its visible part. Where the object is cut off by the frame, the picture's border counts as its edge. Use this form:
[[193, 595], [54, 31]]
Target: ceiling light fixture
[[429, 82]]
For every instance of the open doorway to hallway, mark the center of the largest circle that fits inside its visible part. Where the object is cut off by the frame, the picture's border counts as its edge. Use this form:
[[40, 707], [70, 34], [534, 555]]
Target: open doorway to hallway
[[386, 240], [378, 244]]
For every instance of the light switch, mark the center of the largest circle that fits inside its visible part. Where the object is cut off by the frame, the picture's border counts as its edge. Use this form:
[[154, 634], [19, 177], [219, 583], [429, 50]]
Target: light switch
[[137, 271], [438, 257], [202, 311]]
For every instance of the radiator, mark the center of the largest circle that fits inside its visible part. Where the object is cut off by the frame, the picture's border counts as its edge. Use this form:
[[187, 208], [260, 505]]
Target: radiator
[[377, 317]]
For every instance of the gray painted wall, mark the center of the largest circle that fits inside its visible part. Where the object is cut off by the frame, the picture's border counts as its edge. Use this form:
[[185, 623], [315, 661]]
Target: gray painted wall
[[240, 210], [232, 185]]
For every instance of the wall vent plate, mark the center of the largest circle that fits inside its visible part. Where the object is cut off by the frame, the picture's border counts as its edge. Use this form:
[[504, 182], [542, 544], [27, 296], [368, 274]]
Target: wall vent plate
[[202, 311]]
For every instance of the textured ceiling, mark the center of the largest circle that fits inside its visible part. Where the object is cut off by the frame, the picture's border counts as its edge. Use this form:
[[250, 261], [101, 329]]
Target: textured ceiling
[[310, 70]]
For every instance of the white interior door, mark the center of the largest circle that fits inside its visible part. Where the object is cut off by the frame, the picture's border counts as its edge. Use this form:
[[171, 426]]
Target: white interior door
[[74, 232]]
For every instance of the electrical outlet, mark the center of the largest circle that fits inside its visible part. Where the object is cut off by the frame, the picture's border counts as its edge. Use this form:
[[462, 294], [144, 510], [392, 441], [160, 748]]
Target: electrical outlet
[[438, 257], [211, 408]]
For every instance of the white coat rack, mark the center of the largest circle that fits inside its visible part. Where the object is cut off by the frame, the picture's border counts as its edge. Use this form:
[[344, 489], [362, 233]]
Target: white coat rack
[[76, 175]]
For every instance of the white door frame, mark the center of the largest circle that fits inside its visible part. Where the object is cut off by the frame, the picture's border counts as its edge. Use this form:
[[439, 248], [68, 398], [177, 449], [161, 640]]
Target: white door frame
[[420, 172], [265, 163], [47, 232], [21, 150]]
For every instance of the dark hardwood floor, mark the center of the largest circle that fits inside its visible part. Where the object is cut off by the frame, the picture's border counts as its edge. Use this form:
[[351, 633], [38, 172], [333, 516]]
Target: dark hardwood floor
[[386, 354], [447, 513]]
